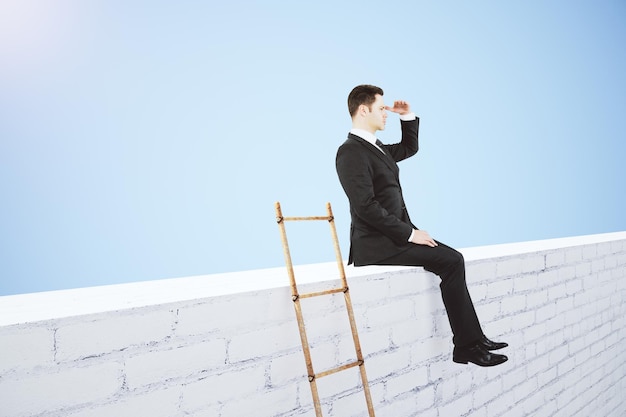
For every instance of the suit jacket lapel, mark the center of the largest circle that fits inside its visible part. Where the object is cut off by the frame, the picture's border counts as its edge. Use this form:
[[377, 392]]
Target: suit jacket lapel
[[385, 157]]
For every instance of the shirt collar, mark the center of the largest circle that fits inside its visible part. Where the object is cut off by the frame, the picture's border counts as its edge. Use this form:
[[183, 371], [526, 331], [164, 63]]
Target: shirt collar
[[364, 134]]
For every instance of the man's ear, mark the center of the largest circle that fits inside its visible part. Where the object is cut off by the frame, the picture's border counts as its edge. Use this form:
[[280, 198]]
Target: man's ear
[[363, 109]]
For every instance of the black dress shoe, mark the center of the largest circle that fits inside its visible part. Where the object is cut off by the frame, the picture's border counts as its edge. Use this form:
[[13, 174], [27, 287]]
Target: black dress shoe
[[477, 355], [489, 345]]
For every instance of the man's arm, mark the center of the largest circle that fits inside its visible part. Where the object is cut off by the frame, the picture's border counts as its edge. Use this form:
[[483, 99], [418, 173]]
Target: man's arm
[[408, 145], [355, 177]]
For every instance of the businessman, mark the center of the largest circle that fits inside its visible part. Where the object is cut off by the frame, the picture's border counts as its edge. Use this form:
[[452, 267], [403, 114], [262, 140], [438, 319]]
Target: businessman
[[381, 232]]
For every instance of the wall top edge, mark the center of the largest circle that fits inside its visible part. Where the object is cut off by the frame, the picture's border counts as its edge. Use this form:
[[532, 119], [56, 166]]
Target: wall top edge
[[520, 248], [50, 305]]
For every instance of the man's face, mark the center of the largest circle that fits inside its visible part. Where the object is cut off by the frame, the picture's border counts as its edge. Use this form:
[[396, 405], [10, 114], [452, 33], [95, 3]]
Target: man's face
[[377, 115]]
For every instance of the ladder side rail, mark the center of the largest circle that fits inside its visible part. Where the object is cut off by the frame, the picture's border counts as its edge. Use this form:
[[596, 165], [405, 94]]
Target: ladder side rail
[[348, 300], [359, 354], [306, 350]]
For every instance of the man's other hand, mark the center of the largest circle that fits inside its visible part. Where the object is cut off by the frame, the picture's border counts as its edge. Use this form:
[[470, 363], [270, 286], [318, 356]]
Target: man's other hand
[[421, 237]]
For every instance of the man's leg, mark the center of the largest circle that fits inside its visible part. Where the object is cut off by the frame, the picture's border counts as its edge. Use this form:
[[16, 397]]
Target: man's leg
[[470, 344], [449, 265]]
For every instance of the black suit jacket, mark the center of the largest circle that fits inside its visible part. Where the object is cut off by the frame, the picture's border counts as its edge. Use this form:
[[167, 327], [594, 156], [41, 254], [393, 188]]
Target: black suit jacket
[[380, 225]]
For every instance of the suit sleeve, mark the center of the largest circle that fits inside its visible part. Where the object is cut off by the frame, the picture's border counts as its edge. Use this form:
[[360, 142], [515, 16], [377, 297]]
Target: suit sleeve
[[355, 174], [409, 145]]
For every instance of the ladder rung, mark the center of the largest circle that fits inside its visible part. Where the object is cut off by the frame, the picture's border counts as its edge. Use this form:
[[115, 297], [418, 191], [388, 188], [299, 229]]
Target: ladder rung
[[327, 292], [290, 219], [339, 368]]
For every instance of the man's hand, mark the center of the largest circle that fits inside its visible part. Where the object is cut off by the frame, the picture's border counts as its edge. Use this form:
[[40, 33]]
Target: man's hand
[[421, 237], [400, 107]]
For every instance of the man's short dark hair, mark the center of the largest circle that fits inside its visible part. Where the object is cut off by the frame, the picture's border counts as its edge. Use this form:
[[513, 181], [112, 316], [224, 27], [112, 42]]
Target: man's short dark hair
[[362, 94]]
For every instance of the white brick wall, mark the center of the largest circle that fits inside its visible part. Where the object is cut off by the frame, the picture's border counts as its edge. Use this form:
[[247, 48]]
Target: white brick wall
[[228, 345]]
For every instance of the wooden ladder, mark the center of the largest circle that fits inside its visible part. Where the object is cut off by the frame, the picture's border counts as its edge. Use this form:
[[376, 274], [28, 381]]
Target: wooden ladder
[[296, 297]]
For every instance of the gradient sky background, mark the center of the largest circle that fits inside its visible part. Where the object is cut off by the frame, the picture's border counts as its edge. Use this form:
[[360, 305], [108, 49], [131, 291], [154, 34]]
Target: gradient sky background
[[142, 140]]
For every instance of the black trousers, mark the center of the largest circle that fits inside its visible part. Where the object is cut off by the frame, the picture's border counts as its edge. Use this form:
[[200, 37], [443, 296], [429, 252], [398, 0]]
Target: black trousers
[[449, 264]]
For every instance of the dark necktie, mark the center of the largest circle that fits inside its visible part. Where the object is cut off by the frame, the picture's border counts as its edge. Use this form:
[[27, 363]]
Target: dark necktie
[[380, 145]]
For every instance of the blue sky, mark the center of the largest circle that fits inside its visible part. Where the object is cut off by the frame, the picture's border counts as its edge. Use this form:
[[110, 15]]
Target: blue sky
[[146, 140]]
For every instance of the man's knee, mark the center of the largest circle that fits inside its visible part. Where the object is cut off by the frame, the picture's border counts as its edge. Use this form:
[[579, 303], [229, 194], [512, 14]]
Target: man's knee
[[454, 258], [458, 258], [454, 269]]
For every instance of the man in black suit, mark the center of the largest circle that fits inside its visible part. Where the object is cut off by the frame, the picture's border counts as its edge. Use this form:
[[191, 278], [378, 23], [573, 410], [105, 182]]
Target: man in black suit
[[382, 233]]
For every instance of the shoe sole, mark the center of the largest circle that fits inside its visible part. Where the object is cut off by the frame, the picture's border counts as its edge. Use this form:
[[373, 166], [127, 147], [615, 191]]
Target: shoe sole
[[465, 362]]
